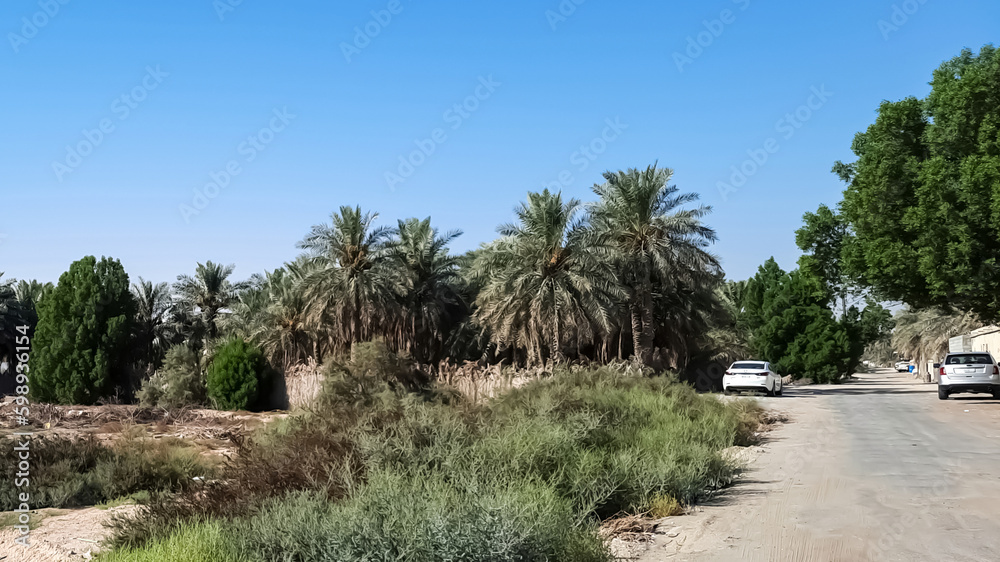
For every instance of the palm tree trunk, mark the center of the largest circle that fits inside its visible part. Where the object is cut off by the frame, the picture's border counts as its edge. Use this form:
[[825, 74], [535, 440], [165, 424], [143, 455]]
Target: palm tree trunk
[[555, 353], [636, 331], [646, 338]]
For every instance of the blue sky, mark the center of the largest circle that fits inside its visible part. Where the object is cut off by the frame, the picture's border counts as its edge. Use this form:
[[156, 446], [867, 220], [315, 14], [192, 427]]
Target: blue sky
[[308, 115]]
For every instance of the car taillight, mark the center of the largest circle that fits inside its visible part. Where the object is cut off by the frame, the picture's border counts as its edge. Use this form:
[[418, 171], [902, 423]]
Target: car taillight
[[941, 371], [996, 370], [764, 374]]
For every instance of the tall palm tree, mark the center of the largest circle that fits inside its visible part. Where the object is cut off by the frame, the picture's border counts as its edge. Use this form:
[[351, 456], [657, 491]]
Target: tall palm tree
[[274, 314], [429, 285], [639, 216], [206, 295], [349, 286], [152, 328], [543, 280]]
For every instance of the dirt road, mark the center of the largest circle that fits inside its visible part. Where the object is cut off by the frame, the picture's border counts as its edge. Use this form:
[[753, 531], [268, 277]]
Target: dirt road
[[876, 469]]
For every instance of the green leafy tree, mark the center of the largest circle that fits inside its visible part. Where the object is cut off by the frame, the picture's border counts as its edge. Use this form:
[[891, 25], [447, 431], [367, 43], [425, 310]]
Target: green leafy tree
[[234, 377], [798, 331], [81, 347], [822, 239], [922, 201], [865, 327]]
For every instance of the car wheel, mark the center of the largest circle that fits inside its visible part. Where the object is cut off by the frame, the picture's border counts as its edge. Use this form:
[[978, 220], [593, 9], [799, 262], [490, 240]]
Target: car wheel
[[726, 392], [996, 393], [943, 393], [781, 388], [770, 391]]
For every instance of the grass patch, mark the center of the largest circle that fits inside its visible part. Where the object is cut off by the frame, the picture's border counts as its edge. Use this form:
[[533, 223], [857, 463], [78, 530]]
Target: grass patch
[[663, 505]]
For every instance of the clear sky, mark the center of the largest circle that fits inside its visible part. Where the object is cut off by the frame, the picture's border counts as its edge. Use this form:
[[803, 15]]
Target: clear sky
[[311, 104]]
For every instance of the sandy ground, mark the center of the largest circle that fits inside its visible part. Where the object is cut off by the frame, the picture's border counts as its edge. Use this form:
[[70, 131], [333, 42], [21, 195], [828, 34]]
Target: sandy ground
[[64, 535], [876, 469]]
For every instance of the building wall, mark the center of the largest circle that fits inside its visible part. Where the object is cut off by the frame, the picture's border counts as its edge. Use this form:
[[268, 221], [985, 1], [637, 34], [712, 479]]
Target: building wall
[[987, 339]]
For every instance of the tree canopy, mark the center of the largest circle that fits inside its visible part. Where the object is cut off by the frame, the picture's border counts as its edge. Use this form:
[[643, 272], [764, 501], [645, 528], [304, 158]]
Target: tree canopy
[[923, 199], [81, 346]]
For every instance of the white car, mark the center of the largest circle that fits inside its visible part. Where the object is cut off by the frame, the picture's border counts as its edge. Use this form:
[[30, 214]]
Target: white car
[[752, 375], [902, 366], [968, 372]]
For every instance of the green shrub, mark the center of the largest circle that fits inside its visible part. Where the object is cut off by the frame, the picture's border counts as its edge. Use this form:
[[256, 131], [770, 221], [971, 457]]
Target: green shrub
[[234, 375], [372, 370], [428, 519], [178, 383], [73, 473], [383, 473]]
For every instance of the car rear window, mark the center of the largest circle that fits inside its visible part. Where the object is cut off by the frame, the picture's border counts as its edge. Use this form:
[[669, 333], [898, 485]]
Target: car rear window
[[747, 365], [969, 359]]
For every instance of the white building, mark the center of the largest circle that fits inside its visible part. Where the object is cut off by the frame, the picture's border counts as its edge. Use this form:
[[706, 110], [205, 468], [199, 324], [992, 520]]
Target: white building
[[987, 339]]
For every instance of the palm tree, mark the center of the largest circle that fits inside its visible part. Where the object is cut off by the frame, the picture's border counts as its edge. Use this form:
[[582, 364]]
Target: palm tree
[[11, 316], [543, 280], [152, 327], [18, 307], [429, 285], [923, 334], [729, 337], [29, 293], [205, 296], [639, 217], [274, 314], [349, 286]]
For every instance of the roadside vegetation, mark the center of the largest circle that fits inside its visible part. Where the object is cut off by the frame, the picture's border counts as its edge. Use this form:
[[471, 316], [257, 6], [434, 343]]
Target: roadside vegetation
[[382, 469]]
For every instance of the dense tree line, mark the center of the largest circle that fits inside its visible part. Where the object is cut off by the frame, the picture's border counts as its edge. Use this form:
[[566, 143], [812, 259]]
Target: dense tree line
[[628, 276]]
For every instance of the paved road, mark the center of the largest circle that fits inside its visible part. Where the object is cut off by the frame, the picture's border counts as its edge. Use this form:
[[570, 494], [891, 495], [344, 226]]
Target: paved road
[[876, 469]]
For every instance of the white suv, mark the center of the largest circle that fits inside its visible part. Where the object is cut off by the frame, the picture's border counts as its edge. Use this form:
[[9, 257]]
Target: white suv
[[752, 375], [973, 371]]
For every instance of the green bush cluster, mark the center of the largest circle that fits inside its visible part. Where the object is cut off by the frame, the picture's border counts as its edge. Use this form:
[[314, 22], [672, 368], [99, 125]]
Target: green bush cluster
[[384, 474], [234, 376]]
